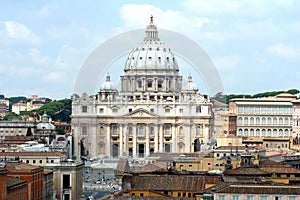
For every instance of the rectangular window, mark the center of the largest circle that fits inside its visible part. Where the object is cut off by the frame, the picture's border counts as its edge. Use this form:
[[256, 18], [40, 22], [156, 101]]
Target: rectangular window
[[221, 197], [180, 110], [263, 197], [249, 198], [167, 110], [101, 110], [84, 109], [198, 109], [130, 110], [115, 110], [292, 198], [66, 181], [235, 197], [278, 198]]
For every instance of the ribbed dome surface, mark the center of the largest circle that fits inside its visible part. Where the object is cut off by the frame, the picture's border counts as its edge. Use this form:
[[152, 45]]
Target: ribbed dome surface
[[151, 53]]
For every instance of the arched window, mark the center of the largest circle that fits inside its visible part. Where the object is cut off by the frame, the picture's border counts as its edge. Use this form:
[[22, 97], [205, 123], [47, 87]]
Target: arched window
[[263, 132], [151, 130], [269, 120], [240, 132], [286, 121], [269, 133], [251, 120], [198, 130], [240, 120], [286, 132], [141, 130], [275, 121], [280, 120], [130, 130], [167, 130], [251, 132], [115, 130], [257, 132], [280, 133], [246, 120], [263, 120], [246, 132], [275, 133], [84, 130], [257, 120]]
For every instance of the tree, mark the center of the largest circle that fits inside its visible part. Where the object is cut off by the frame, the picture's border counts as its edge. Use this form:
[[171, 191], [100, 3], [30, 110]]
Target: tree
[[293, 91]]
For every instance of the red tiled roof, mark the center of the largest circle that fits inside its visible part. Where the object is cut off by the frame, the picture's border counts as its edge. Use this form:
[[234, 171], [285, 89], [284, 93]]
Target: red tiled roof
[[21, 167], [171, 182], [257, 189], [153, 167], [249, 171]]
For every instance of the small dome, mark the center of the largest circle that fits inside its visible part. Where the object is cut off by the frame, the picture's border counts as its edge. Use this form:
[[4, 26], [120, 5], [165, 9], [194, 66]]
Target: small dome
[[45, 125], [190, 85], [151, 53], [108, 85]]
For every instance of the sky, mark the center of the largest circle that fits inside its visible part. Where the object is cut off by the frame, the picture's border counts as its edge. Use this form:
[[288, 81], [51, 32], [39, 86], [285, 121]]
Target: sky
[[254, 44]]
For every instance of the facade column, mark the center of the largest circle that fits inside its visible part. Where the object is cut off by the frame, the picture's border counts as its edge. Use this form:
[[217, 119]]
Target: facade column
[[147, 140], [156, 138], [161, 145], [93, 140], [76, 135], [134, 141], [126, 139], [108, 145], [206, 136], [173, 138], [121, 141]]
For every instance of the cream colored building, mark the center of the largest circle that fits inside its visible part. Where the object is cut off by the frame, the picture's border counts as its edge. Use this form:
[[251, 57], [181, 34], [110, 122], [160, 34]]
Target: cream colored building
[[154, 110], [263, 117]]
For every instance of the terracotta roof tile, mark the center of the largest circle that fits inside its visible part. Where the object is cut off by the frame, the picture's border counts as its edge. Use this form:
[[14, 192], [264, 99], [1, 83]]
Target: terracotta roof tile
[[171, 182]]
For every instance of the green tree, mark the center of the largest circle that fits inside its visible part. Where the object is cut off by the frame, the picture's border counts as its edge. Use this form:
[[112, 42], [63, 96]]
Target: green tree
[[293, 91]]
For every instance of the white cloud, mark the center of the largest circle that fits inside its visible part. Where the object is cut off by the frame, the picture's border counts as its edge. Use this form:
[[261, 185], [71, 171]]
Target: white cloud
[[18, 32], [138, 16], [54, 77], [286, 51], [249, 8], [37, 58]]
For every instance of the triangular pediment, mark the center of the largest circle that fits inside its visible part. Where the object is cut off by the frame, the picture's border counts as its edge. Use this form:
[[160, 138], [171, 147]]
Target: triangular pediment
[[140, 113]]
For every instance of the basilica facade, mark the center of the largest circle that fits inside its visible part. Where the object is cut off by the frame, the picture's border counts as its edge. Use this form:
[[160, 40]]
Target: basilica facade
[[154, 110]]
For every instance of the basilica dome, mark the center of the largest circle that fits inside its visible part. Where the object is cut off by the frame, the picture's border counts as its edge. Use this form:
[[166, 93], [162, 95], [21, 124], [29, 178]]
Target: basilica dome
[[151, 53]]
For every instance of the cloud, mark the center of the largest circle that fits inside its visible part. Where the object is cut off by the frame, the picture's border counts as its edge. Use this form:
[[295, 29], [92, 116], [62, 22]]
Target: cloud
[[37, 58], [138, 16], [286, 51], [19, 33], [247, 8], [54, 77]]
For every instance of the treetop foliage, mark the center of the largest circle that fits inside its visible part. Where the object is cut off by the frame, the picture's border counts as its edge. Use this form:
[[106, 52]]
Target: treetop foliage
[[226, 98]]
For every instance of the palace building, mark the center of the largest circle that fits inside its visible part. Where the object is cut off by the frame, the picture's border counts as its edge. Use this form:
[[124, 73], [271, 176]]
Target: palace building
[[154, 110]]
